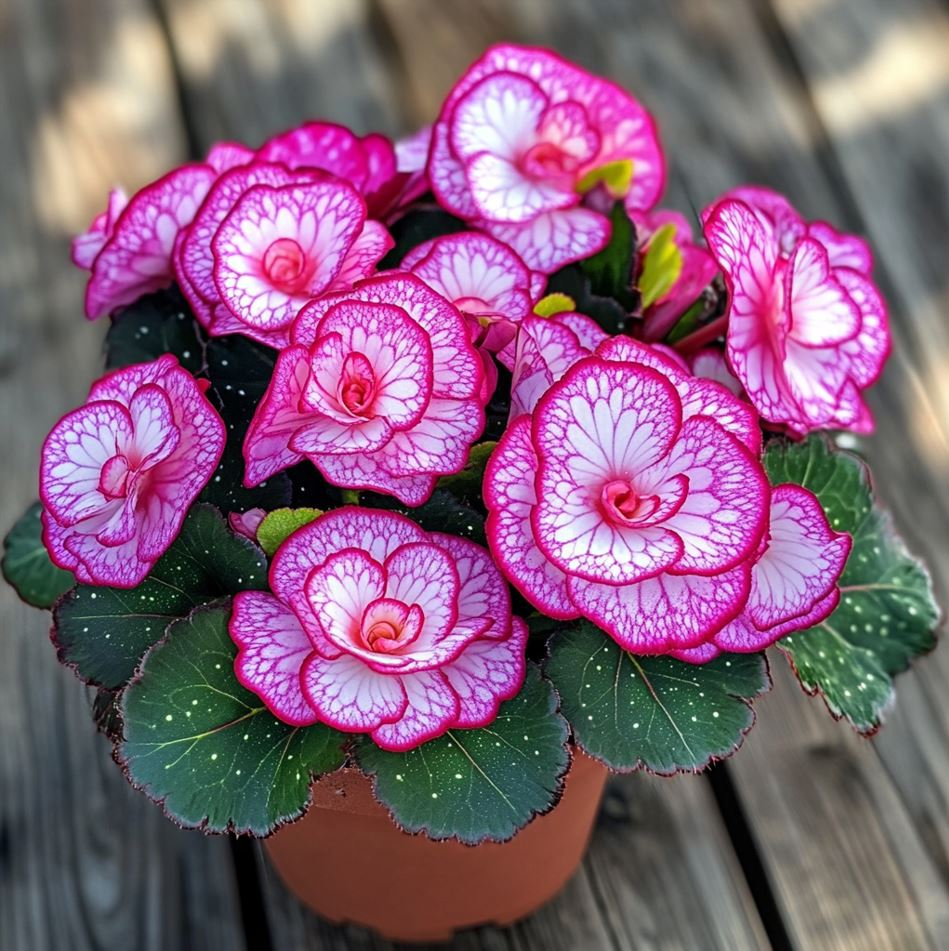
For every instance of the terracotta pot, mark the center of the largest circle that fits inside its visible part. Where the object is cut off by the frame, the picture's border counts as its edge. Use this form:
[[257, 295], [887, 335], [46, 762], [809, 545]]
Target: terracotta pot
[[348, 861]]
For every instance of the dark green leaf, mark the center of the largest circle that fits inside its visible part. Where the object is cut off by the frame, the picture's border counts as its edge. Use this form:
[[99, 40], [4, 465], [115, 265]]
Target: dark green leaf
[[441, 513], [887, 614], [466, 485], [280, 524], [654, 712], [156, 324], [26, 564], [239, 370], [611, 270], [417, 226], [482, 784], [610, 315], [103, 632], [206, 748]]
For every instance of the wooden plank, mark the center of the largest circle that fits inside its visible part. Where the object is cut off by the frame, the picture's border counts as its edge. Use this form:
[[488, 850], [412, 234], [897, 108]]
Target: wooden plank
[[890, 140], [251, 68], [85, 862], [660, 872], [731, 113]]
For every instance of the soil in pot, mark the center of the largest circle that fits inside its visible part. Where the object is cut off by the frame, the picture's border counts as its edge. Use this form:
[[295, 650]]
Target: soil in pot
[[347, 861]]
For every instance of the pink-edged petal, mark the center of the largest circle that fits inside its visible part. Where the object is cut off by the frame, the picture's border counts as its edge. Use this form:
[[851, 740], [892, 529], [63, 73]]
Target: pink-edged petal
[[323, 145], [373, 242], [273, 647], [868, 351], [457, 366], [277, 417], [362, 471], [278, 247], [502, 192], [698, 655], [411, 153], [510, 497], [709, 363], [137, 258], [431, 709], [664, 613], [153, 421], [604, 421], [722, 518], [843, 250], [554, 239], [85, 247], [587, 330], [116, 566], [781, 221], [376, 532], [424, 574], [699, 397], [73, 456], [349, 695], [482, 592], [487, 673], [543, 352], [822, 312], [223, 156], [335, 595], [802, 562], [438, 443]]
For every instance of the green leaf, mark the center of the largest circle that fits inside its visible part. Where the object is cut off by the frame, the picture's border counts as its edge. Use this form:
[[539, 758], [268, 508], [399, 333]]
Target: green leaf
[[887, 613], [240, 370], [662, 265], [279, 525], [418, 226], [444, 513], [103, 632], [205, 747], [26, 564], [156, 324], [611, 270], [654, 712], [477, 785], [572, 282]]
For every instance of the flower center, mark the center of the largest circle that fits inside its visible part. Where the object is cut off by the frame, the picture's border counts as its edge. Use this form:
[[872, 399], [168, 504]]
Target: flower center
[[357, 384], [114, 477], [389, 625], [623, 505], [285, 264], [549, 162]]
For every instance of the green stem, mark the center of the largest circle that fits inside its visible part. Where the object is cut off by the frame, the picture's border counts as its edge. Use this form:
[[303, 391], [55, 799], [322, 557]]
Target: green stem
[[350, 497]]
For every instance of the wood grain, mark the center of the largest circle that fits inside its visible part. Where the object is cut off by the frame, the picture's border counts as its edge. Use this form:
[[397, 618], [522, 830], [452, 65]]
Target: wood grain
[[85, 862]]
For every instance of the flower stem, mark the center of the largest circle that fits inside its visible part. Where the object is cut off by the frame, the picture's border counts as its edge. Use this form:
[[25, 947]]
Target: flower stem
[[705, 334]]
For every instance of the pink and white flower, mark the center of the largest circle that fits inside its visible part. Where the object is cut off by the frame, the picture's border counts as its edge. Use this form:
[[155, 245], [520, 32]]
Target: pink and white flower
[[381, 390], [698, 268], [523, 136], [376, 626], [118, 474], [807, 328], [793, 581], [710, 363], [128, 248], [632, 496], [267, 240], [486, 281]]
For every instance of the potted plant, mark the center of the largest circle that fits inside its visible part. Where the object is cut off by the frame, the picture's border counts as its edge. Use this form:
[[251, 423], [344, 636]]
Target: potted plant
[[429, 482]]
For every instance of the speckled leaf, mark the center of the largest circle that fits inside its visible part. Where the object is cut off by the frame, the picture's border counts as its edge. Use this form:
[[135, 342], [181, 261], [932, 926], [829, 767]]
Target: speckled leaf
[[26, 564], [477, 785], [654, 712], [239, 370], [441, 513], [887, 614], [466, 485], [280, 524], [156, 324], [207, 749], [103, 632]]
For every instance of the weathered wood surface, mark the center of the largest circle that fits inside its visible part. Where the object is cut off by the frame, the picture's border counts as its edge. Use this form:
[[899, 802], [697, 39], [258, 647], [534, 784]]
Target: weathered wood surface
[[843, 104], [85, 862]]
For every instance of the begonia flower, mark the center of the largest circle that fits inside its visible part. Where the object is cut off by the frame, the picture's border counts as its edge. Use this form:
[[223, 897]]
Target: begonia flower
[[632, 495], [119, 473], [381, 389], [266, 240], [523, 136], [376, 626], [807, 328], [793, 581]]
